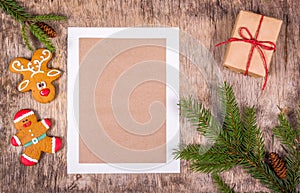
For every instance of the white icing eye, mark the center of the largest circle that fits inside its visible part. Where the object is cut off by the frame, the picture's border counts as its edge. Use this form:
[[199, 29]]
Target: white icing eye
[[41, 85]]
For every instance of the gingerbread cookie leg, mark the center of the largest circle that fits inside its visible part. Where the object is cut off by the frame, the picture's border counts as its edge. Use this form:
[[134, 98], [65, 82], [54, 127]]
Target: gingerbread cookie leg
[[30, 156]]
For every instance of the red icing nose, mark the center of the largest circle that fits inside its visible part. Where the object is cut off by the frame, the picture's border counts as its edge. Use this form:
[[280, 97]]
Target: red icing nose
[[27, 124], [45, 92]]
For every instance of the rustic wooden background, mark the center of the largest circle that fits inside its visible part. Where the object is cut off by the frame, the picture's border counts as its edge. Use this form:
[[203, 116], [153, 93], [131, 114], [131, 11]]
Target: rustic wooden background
[[209, 22]]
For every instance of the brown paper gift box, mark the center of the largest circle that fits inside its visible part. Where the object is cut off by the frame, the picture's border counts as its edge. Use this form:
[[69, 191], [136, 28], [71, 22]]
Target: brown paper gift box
[[237, 52]]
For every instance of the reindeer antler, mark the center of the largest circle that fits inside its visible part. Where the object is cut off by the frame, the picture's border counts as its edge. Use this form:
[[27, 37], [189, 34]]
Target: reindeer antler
[[34, 67]]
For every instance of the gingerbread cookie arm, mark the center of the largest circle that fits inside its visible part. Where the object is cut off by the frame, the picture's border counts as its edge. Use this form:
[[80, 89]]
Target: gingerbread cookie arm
[[46, 123], [15, 141]]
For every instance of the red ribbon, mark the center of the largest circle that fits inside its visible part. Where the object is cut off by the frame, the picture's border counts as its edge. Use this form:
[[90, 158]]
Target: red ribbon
[[259, 45]]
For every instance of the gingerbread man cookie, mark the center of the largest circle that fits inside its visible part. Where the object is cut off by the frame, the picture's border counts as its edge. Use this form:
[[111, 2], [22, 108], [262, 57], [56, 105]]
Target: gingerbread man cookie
[[37, 77], [32, 134]]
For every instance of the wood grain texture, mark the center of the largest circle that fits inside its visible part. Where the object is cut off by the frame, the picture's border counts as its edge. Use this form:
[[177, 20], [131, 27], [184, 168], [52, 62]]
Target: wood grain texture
[[207, 21]]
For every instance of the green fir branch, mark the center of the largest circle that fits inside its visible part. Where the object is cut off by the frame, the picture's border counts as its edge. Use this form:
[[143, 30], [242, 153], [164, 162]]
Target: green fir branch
[[208, 159], [252, 135], [219, 162], [196, 114], [209, 167], [12, 8], [259, 149], [290, 138], [250, 127], [189, 152], [262, 172], [240, 142], [222, 186], [200, 117], [285, 133], [49, 17], [292, 164], [42, 37], [25, 37], [232, 120]]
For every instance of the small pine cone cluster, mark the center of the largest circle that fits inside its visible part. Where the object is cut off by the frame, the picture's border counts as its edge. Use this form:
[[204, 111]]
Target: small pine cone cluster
[[47, 29], [278, 165]]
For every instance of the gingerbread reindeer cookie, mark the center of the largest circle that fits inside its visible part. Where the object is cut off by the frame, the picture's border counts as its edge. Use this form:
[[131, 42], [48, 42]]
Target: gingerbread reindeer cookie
[[32, 134], [37, 77]]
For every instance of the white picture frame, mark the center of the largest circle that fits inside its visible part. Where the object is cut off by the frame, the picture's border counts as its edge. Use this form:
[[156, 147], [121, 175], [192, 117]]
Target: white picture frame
[[172, 97]]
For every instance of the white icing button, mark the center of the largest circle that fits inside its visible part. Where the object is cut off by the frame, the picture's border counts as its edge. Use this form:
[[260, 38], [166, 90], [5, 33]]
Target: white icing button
[[32, 135], [29, 130]]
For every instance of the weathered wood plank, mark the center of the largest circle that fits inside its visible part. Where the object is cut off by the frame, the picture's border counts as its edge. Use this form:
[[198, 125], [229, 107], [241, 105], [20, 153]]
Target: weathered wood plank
[[209, 22]]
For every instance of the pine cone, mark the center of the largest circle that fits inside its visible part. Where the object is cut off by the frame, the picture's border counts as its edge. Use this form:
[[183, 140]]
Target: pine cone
[[47, 29], [278, 165]]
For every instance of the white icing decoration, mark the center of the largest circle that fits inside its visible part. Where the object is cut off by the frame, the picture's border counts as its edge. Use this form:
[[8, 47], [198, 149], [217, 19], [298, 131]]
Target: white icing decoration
[[17, 66], [53, 144], [53, 73], [29, 158], [22, 86]]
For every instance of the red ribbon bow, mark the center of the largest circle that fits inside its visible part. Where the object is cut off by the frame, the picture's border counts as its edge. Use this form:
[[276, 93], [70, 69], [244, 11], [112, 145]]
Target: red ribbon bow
[[259, 45]]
